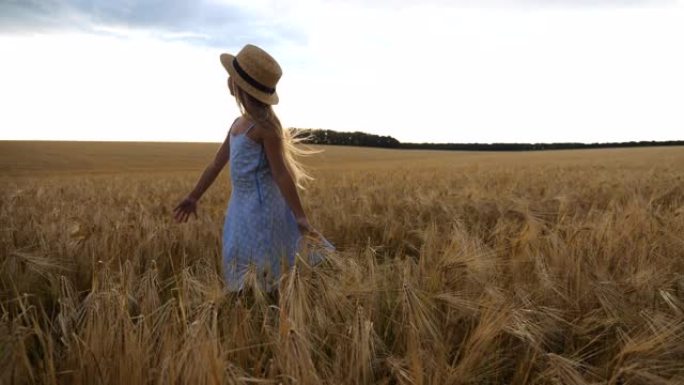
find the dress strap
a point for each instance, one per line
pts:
(250, 127)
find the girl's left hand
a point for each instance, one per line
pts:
(185, 208)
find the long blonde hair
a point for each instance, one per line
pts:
(264, 115)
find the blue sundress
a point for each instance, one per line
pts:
(260, 230)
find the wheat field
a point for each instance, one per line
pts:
(558, 267)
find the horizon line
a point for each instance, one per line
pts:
(427, 143)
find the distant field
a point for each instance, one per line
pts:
(55, 158)
(558, 267)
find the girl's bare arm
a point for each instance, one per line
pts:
(273, 145)
(212, 170)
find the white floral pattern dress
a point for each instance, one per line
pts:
(259, 226)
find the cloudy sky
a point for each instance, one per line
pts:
(421, 71)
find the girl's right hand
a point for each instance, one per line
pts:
(185, 208)
(305, 227)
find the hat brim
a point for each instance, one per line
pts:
(227, 62)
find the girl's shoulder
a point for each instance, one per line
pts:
(241, 124)
(265, 132)
(236, 122)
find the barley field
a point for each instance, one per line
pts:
(559, 267)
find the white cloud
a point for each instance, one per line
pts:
(499, 75)
(418, 72)
(78, 86)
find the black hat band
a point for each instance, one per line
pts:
(252, 82)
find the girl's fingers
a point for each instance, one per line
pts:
(180, 216)
(178, 208)
(183, 211)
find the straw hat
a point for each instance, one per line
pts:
(255, 71)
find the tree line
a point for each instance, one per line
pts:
(357, 138)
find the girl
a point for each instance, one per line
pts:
(265, 221)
